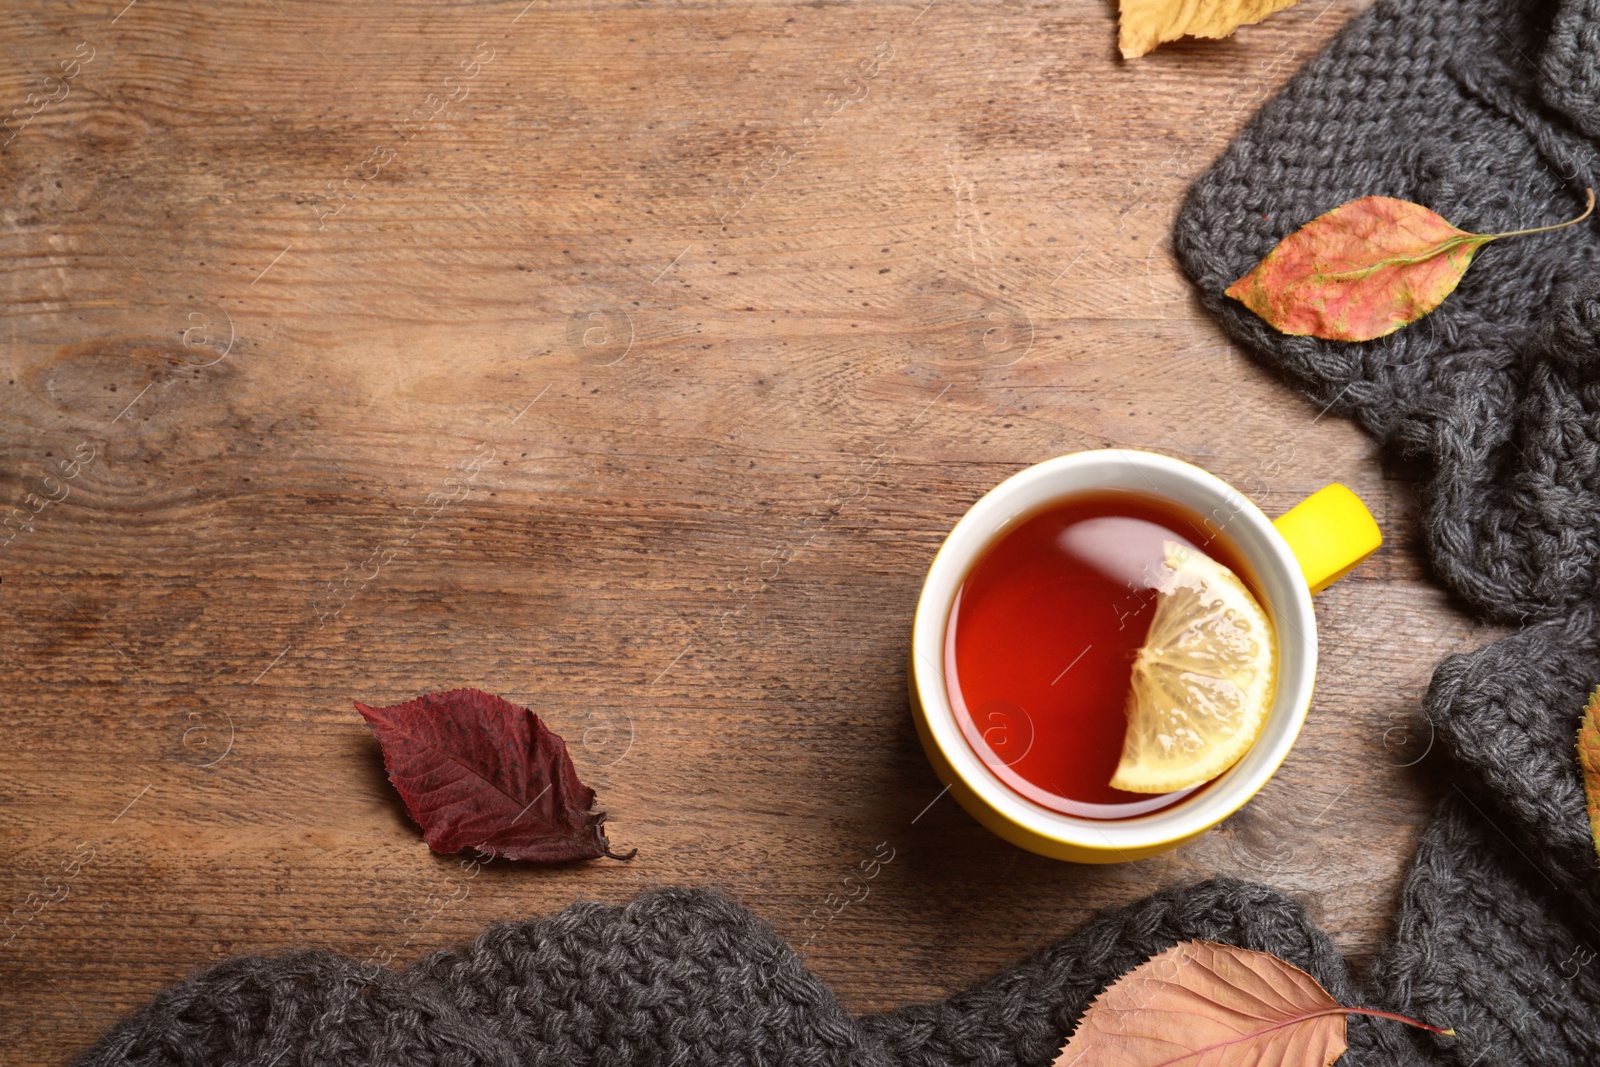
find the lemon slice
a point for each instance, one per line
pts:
(1203, 681)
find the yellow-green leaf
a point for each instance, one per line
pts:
(1589, 763)
(1144, 24)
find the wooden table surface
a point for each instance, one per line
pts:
(629, 360)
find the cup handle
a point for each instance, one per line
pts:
(1329, 532)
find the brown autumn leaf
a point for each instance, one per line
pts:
(1204, 1003)
(1589, 763)
(1144, 24)
(1364, 269)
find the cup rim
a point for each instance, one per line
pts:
(1288, 602)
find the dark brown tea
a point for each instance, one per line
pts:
(1041, 641)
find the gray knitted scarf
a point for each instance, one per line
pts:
(1487, 111)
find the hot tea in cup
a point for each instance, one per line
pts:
(1051, 657)
(1090, 629)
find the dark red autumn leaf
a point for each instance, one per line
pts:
(482, 773)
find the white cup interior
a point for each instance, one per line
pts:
(1276, 577)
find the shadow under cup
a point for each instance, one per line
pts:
(991, 794)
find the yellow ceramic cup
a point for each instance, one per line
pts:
(1309, 547)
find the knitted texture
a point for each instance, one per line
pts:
(1500, 917)
(1510, 712)
(1485, 943)
(684, 978)
(1477, 109)
(1570, 79)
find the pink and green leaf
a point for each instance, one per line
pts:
(1364, 269)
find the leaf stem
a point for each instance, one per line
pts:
(1449, 244)
(1451, 1032)
(1195, 1055)
(1546, 229)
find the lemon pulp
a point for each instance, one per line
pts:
(1203, 681)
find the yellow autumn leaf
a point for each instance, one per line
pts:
(1148, 23)
(1589, 763)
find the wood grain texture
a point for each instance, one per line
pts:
(638, 383)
